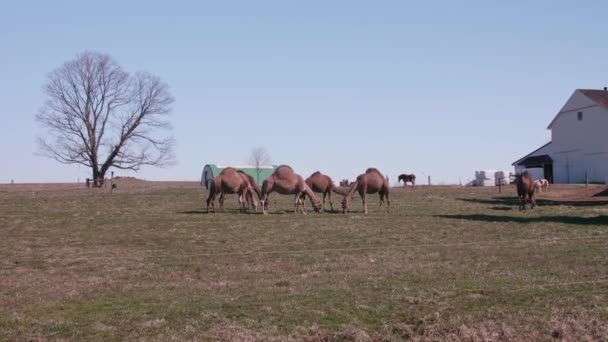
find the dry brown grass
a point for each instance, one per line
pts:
(455, 264)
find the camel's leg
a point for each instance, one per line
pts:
(388, 202)
(324, 203)
(331, 205)
(264, 205)
(303, 201)
(240, 200)
(298, 204)
(362, 193)
(211, 201)
(221, 199)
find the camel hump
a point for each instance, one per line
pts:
(228, 170)
(372, 169)
(316, 173)
(281, 167)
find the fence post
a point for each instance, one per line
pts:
(586, 179)
(429, 180)
(500, 184)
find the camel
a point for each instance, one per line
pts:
(249, 199)
(525, 187)
(230, 181)
(407, 178)
(286, 182)
(321, 183)
(370, 182)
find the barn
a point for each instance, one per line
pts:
(578, 150)
(259, 174)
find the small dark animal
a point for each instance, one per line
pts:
(407, 178)
(525, 188)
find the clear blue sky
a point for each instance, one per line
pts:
(431, 87)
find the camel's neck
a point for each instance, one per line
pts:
(340, 191)
(257, 190)
(352, 189)
(311, 194)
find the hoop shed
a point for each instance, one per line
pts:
(213, 170)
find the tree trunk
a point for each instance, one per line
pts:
(98, 178)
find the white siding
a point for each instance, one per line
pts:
(580, 147)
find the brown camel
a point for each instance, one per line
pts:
(230, 181)
(286, 182)
(321, 183)
(256, 189)
(370, 182)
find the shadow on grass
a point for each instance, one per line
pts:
(541, 202)
(596, 220)
(218, 212)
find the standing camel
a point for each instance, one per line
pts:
(230, 181)
(407, 178)
(370, 182)
(321, 183)
(286, 182)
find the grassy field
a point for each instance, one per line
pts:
(444, 264)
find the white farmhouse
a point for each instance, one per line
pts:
(579, 142)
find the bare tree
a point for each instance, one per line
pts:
(259, 157)
(100, 116)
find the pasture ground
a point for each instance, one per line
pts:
(146, 263)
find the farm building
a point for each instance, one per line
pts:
(579, 144)
(212, 170)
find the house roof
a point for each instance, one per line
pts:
(536, 161)
(599, 96)
(518, 162)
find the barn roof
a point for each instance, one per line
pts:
(599, 96)
(518, 162)
(536, 161)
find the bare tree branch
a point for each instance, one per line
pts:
(100, 116)
(259, 158)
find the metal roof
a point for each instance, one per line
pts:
(536, 161)
(265, 171)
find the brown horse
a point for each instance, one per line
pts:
(525, 188)
(407, 178)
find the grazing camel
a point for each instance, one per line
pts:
(370, 182)
(255, 187)
(286, 182)
(230, 181)
(525, 188)
(407, 178)
(321, 183)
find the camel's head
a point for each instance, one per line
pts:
(345, 204)
(316, 205)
